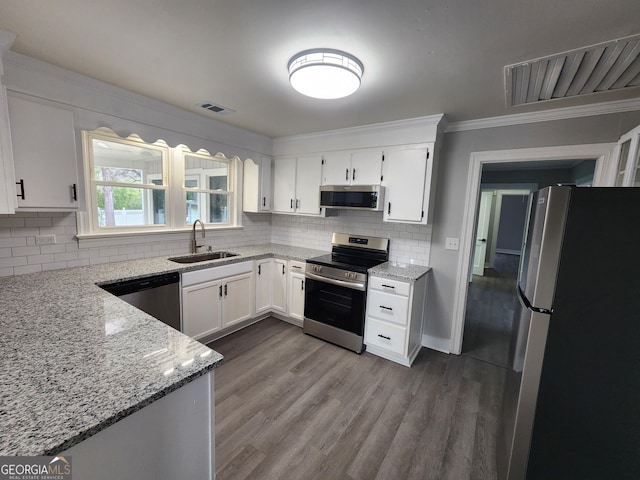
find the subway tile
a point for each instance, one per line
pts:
(78, 263)
(13, 242)
(12, 262)
(6, 272)
(32, 259)
(52, 248)
(54, 266)
(27, 269)
(11, 222)
(37, 222)
(24, 251)
(63, 257)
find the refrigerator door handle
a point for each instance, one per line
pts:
(527, 304)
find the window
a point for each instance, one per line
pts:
(135, 186)
(206, 185)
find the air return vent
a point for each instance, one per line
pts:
(216, 108)
(599, 68)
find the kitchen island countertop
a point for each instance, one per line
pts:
(77, 359)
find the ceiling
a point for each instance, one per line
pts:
(421, 57)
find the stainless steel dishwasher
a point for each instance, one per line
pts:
(158, 295)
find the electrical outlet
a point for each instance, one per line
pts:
(451, 243)
(46, 240)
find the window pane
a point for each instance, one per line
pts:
(210, 171)
(218, 208)
(125, 163)
(129, 206)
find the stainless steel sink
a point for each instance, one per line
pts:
(203, 257)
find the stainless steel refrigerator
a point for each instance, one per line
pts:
(571, 406)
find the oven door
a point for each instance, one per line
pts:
(335, 303)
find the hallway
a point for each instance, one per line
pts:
(490, 305)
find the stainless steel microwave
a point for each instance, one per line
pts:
(353, 197)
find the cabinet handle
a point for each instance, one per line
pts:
(220, 291)
(302, 285)
(297, 267)
(74, 192)
(264, 201)
(346, 174)
(225, 289)
(292, 203)
(387, 286)
(386, 308)
(297, 203)
(21, 194)
(259, 269)
(389, 209)
(353, 174)
(382, 336)
(283, 269)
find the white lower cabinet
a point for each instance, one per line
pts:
(271, 285)
(395, 308)
(296, 291)
(216, 298)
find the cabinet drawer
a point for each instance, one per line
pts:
(390, 286)
(389, 307)
(384, 335)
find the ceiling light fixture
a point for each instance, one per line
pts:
(325, 73)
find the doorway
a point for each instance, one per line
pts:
(508, 167)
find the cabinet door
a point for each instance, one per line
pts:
(264, 285)
(284, 185)
(279, 285)
(237, 303)
(336, 168)
(296, 296)
(44, 153)
(201, 309)
(404, 171)
(366, 166)
(265, 184)
(308, 176)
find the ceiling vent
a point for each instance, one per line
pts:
(216, 108)
(599, 68)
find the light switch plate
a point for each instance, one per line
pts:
(451, 243)
(46, 240)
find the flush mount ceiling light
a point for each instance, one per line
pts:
(324, 73)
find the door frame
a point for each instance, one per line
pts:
(603, 176)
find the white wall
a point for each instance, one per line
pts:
(452, 183)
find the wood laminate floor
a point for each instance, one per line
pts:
(491, 301)
(290, 406)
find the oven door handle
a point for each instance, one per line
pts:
(341, 283)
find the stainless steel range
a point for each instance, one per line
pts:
(336, 289)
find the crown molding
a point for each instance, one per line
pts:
(428, 122)
(603, 108)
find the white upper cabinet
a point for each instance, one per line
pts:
(256, 191)
(628, 172)
(407, 177)
(44, 153)
(356, 167)
(296, 185)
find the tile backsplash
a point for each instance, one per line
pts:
(409, 243)
(20, 253)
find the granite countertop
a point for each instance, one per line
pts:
(408, 272)
(77, 359)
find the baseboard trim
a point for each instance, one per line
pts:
(440, 344)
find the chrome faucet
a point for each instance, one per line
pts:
(194, 245)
